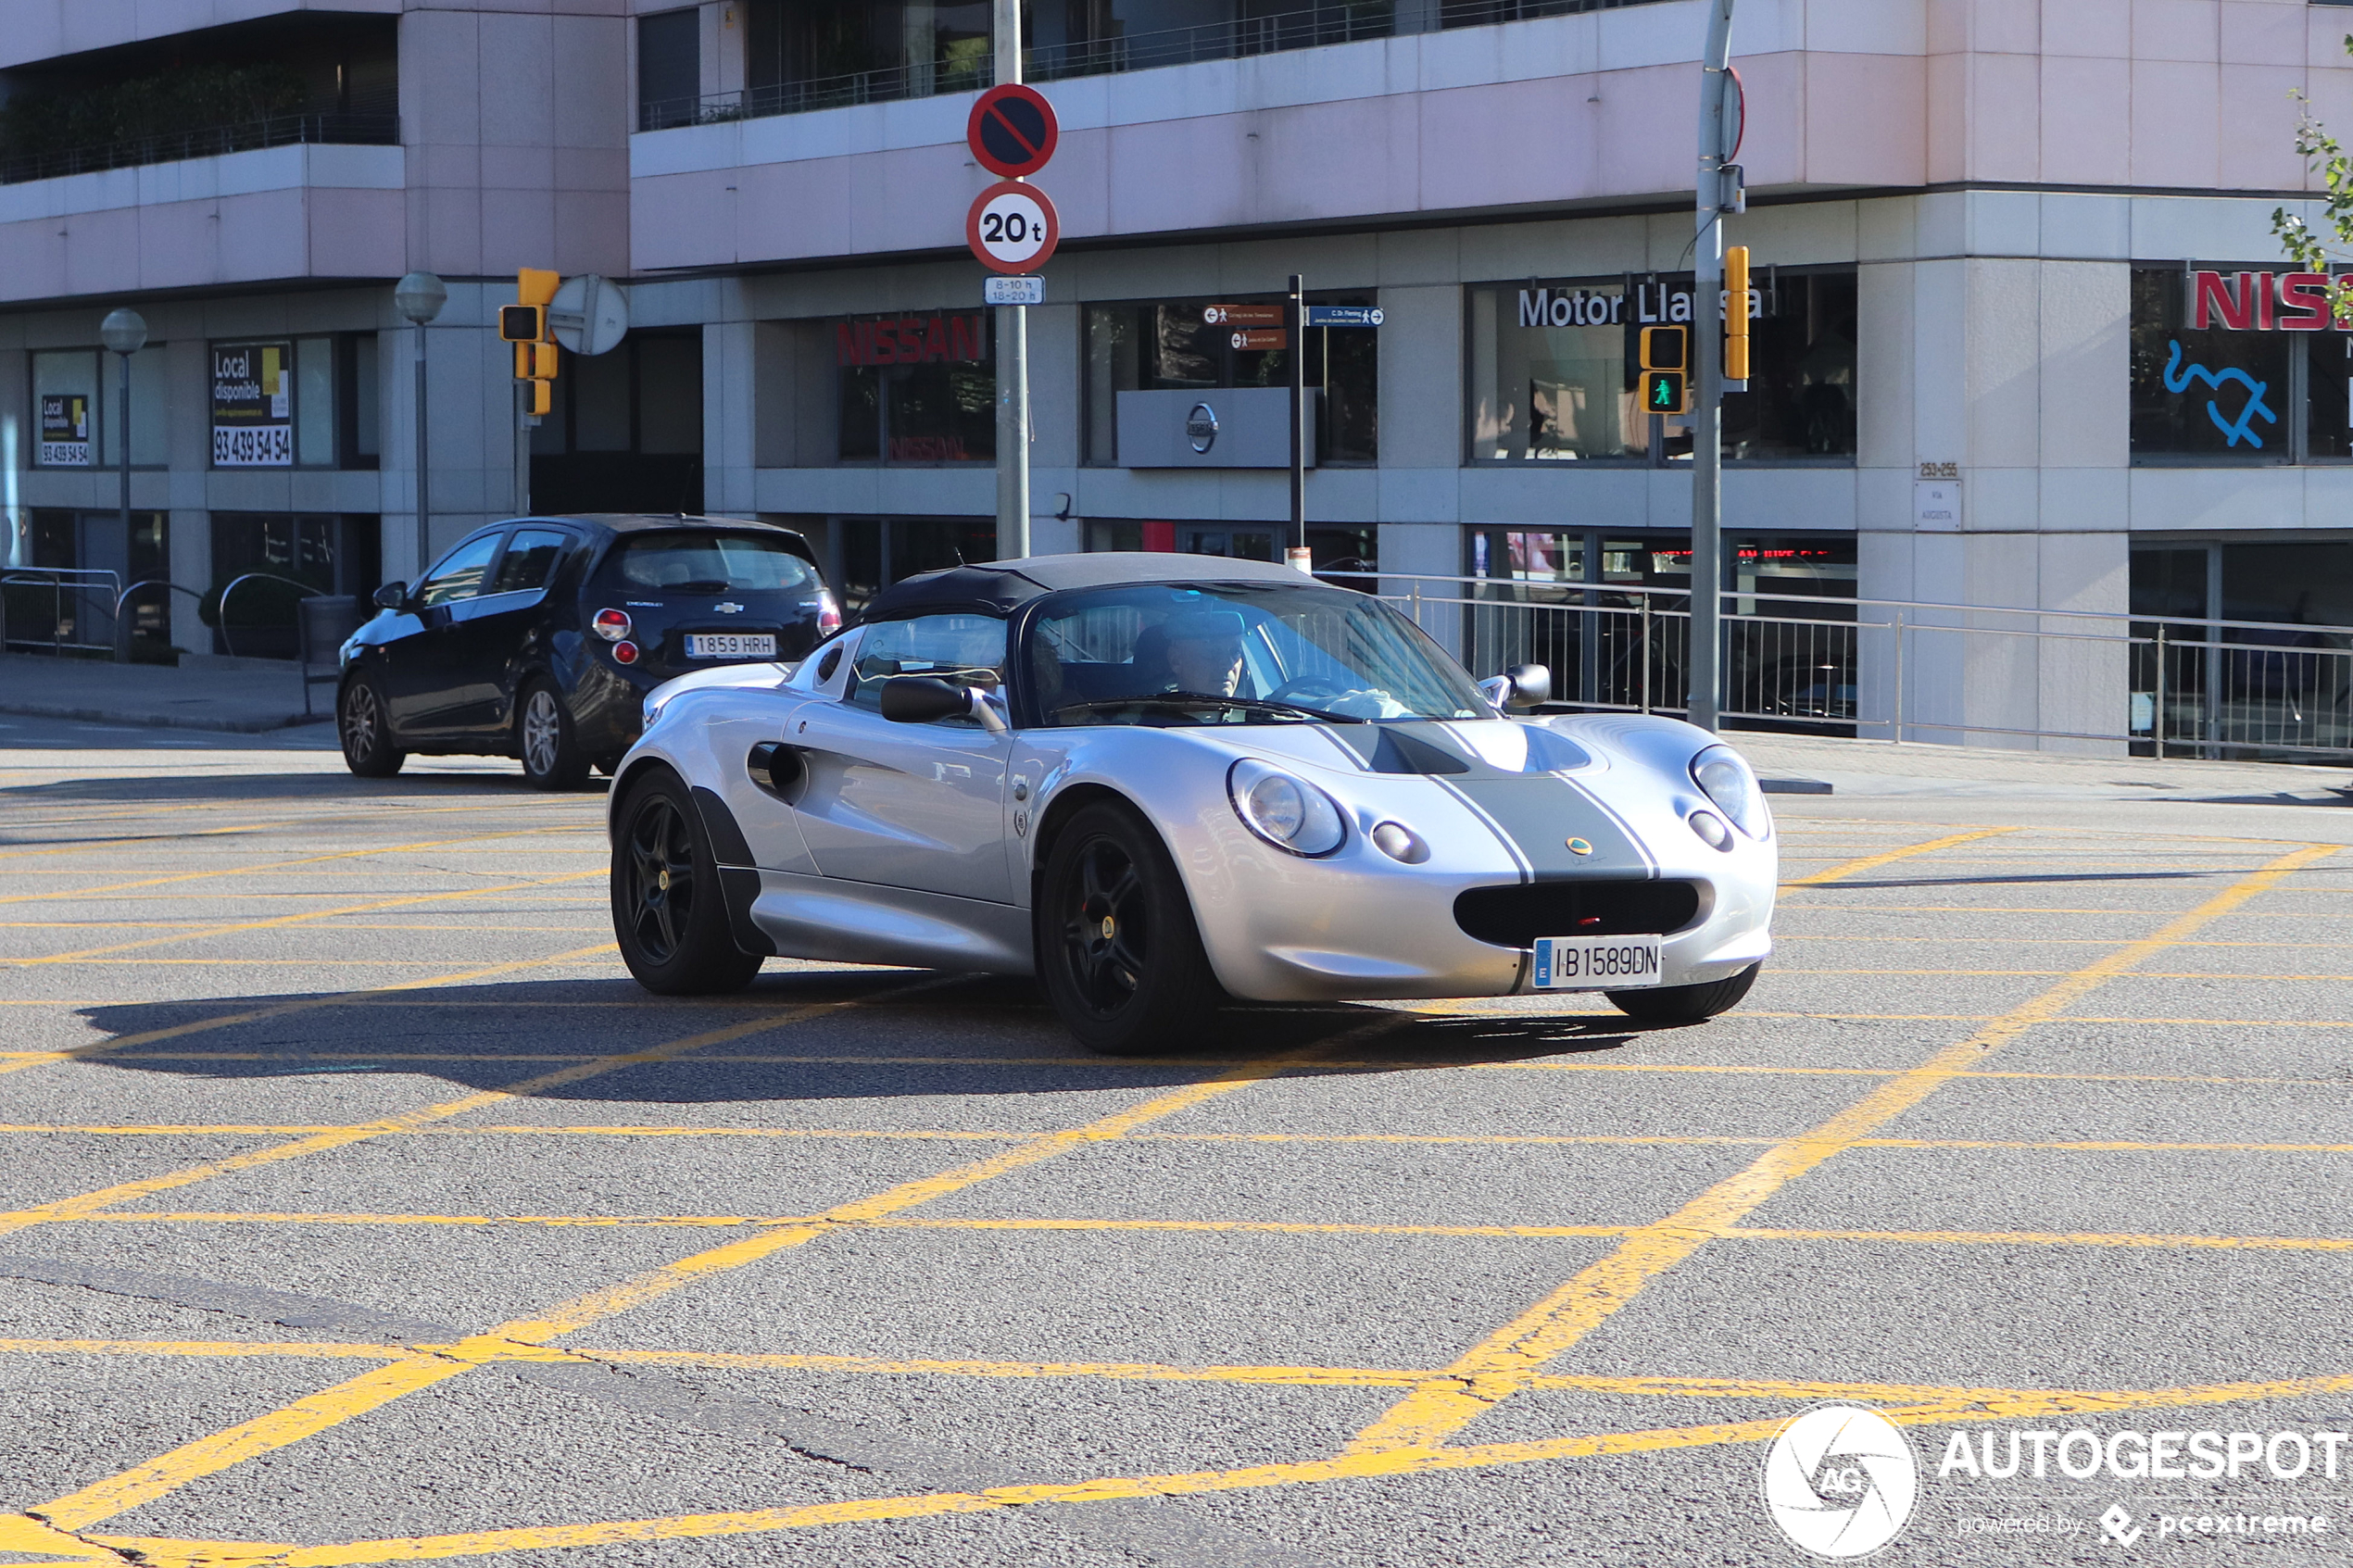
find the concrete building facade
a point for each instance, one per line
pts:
(1986, 373)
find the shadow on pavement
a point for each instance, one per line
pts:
(978, 1035)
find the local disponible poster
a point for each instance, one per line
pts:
(65, 429)
(253, 405)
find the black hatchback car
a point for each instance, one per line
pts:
(539, 637)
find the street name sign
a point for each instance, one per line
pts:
(1262, 338)
(1344, 315)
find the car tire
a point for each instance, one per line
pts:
(1684, 1004)
(544, 740)
(669, 914)
(364, 726)
(1119, 952)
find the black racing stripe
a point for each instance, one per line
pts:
(1541, 815)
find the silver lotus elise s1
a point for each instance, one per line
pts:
(1156, 781)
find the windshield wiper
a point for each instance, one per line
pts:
(1203, 699)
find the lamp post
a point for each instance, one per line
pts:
(124, 331)
(420, 297)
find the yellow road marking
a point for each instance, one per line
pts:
(2056, 1238)
(1887, 858)
(307, 1004)
(1492, 1369)
(88, 1204)
(280, 865)
(373, 1389)
(225, 1347)
(166, 1552)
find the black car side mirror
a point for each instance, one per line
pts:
(392, 595)
(927, 699)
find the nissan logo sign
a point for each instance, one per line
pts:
(1201, 427)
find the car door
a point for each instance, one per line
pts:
(424, 678)
(493, 632)
(917, 806)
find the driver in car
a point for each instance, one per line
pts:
(1204, 652)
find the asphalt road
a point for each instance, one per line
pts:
(356, 1208)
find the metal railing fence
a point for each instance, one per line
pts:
(1908, 669)
(278, 130)
(73, 598)
(1338, 21)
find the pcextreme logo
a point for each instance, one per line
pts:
(1839, 1481)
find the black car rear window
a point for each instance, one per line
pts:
(714, 563)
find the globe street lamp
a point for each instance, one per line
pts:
(420, 297)
(124, 331)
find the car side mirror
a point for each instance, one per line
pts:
(928, 699)
(1522, 685)
(392, 595)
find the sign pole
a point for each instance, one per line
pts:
(1013, 352)
(1705, 663)
(1299, 554)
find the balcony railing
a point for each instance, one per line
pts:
(278, 130)
(1343, 22)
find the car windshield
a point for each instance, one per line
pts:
(1249, 653)
(713, 563)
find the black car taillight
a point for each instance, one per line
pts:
(612, 625)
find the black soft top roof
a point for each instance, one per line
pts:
(1002, 588)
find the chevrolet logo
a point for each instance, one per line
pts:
(728, 608)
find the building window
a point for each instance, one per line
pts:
(284, 556)
(1553, 367)
(669, 68)
(623, 431)
(2253, 661)
(75, 393)
(1170, 345)
(871, 553)
(801, 57)
(81, 613)
(2211, 381)
(1574, 601)
(917, 389)
(289, 402)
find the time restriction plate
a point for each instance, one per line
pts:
(1012, 227)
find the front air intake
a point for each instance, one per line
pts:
(1515, 917)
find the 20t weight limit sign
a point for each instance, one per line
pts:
(1012, 227)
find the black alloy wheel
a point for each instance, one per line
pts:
(669, 914)
(551, 758)
(1684, 1004)
(365, 729)
(1117, 949)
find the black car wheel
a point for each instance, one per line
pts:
(1117, 948)
(1684, 1004)
(668, 913)
(365, 729)
(551, 758)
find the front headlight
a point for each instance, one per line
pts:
(1724, 777)
(1285, 811)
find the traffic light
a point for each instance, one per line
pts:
(1666, 358)
(1666, 392)
(1736, 314)
(524, 324)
